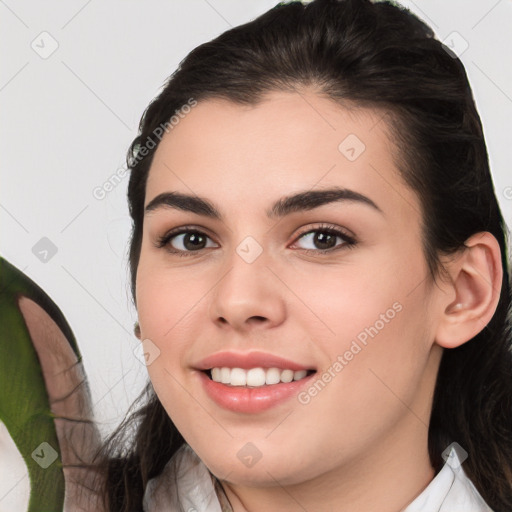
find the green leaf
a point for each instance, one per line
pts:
(24, 403)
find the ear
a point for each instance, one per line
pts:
(476, 277)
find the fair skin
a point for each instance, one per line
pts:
(361, 442)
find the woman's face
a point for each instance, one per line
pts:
(278, 273)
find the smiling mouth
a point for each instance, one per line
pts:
(255, 377)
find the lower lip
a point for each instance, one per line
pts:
(251, 400)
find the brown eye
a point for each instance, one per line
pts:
(192, 241)
(325, 239)
(185, 241)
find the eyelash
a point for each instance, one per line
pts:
(349, 241)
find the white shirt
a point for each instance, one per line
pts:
(186, 485)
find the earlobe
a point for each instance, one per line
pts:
(476, 281)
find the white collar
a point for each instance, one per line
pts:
(449, 491)
(186, 484)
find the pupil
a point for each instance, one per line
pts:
(193, 241)
(320, 239)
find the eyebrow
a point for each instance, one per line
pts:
(301, 201)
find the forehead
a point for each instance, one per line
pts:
(285, 143)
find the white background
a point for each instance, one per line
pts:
(68, 119)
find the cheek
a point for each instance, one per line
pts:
(167, 300)
(372, 325)
(360, 300)
(167, 305)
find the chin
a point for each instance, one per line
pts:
(254, 467)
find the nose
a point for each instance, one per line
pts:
(248, 295)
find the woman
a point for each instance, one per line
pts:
(318, 262)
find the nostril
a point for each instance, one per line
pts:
(257, 319)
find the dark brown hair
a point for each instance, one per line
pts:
(375, 55)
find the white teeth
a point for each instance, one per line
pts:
(225, 375)
(299, 375)
(273, 376)
(255, 377)
(287, 375)
(216, 374)
(238, 377)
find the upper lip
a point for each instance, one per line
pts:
(247, 360)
